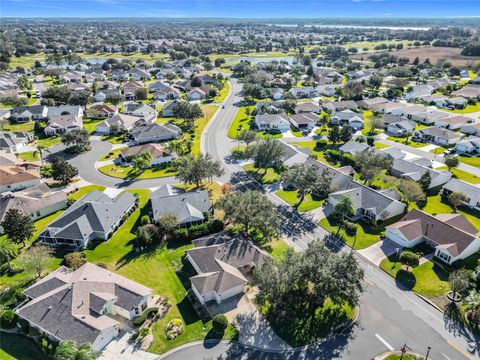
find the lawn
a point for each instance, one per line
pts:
(312, 145)
(400, 357)
(290, 196)
(85, 190)
(49, 141)
(209, 111)
(20, 127)
(114, 139)
(113, 156)
(277, 248)
(410, 142)
(242, 121)
(296, 133)
(268, 177)
(438, 150)
(380, 146)
(428, 279)
(222, 95)
(473, 161)
(367, 126)
(465, 176)
(128, 172)
(19, 347)
(467, 110)
(90, 124)
(29, 156)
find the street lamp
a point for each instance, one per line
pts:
(428, 352)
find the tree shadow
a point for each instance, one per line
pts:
(405, 280)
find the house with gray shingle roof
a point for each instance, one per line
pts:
(154, 132)
(223, 263)
(437, 135)
(95, 216)
(471, 192)
(80, 305)
(413, 171)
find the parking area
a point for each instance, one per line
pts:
(379, 251)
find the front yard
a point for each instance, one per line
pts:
(241, 121)
(409, 143)
(268, 177)
(128, 172)
(290, 196)
(319, 153)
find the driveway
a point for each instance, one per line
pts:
(379, 251)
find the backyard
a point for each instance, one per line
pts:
(19, 347)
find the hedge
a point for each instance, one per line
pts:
(196, 231)
(139, 320)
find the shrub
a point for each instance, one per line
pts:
(370, 140)
(195, 231)
(409, 258)
(347, 159)
(143, 332)
(219, 323)
(145, 220)
(75, 259)
(8, 319)
(321, 143)
(139, 320)
(238, 153)
(350, 228)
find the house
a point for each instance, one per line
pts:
(369, 104)
(277, 94)
(166, 93)
(273, 107)
(413, 171)
(400, 128)
(189, 208)
(393, 108)
(154, 133)
(168, 109)
(438, 100)
(453, 122)
(71, 76)
(95, 216)
(158, 153)
(272, 122)
(352, 147)
(101, 111)
(470, 145)
(419, 91)
(167, 89)
(5, 113)
(101, 95)
(457, 102)
(223, 262)
(308, 107)
(348, 117)
(13, 142)
(130, 87)
(139, 74)
(119, 122)
(471, 192)
(392, 153)
(7, 158)
(437, 135)
(196, 94)
(37, 202)
(470, 91)
(326, 90)
(428, 117)
(62, 124)
(21, 114)
(303, 121)
(451, 235)
(119, 75)
(344, 105)
(15, 178)
(303, 92)
(65, 110)
(471, 129)
(80, 305)
(145, 111)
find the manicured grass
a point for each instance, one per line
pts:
(277, 248)
(367, 124)
(114, 155)
(49, 141)
(90, 124)
(410, 142)
(114, 139)
(465, 176)
(85, 190)
(367, 235)
(438, 150)
(370, 45)
(26, 61)
(128, 172)
(400, 357)
(29, 156)
(428, 279)
(268, 177)
(473, 161)
(296, 133)
(467, 110)
(319, 153)
(380, 146)
(222, 95)
(20, 127)
(290, 196)
(213, 188)
(19, 347)
(209, 111)
(242, 121)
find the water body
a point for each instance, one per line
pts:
(259, 59)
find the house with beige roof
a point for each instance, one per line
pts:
(14, 178)
(451, 235)
(80, 305)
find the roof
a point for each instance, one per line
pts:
(185, 206)
(68, 304)
(65, 121)
(353, 147)
(304, 118)
(155, 129)
(94, 212)
(8, 139)
(15, 174)
(34, 109)
(470, 190)
(451, 231)
(307, 107)
(122, 120)
(271, 118)
(223, 259)
(440, 132)
(64, 109)
(347, 115)
(156, 150)
(415, 171)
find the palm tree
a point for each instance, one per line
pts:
(8, 251)
(40, 150)
(344, 207)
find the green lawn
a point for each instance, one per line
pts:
(114, 139)
(242, 121)
(19, 347)
(128, 172)
(399, 357)
(90, 124)
(114, 155)
(268, 177)
(290, 196)
(49, 141)
(222, 95)
(367, 126)
(20, 127)
(277, 248)
(467, 110)
(380, 146)
(312, 145)
(428, 279)
(296, 133)
(29, 156)
(465, 176)
(410, 142)
(209, 111)
(438, 150)
(473, 161)
(85, 190)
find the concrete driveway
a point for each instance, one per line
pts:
(379, 251)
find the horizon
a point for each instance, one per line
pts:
(246, 9)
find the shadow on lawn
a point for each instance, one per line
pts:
(405, 280)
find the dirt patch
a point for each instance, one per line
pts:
(433, 53)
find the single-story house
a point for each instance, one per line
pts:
(14, 178)
(223, 262)
(37, 202)
(101, 111)
(453, 122)
(62, 124)
(308, 107)
(196, 94)
(159, 156)
(101, 95)
(303, 120)
(139, 74)
(369, 104)
(451, 235)
(437, 135)
(344, 105)
(65, 110)
(121, 121)
(471, 129)
(154, 133)
(80, 305)
(457, 102)
(277, 94)
(410, 170)
(471, 192)
(352, 147)
(148, 112)
(167, 110)
(428, 117)
(470, 145)
(419, 91)
(119, 75)
(400, 128)
(189, 208)
(470, 91)
(272, 122)
(21, 114)
(303, 92)
(438, 100)
(13, 142)
(348, 117)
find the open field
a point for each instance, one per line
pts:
(434, 54)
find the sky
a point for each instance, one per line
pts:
(240, 8)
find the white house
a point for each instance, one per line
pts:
(272, 122)
(471, 192)
(348, 117)
(470, 145)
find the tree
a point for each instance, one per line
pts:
(375, 123)
(193, 170)
(23, 83)
(167, 223)
(66, 350)
(343, 208)
(409, 259)
(19, 227)
(85, 352)
(75, 259)
(303, 178)
(219, 323)
(81, 98)
(113, 99)
(459, 282)
(253, 211)
(266, 153)
(456, 199)
(472, 303)
(77, 140)
(142, 160)
(141, 94)
(35, 259)
(297, 287)
(334, 135)
(411, 190)
(247, 136)
(375, 81)
(187, 111)
(370, 164)
(59, 94)
(425, 181)
(8, 251)
(219, 62)
(451, 161)
(144, 235)
(8, 319)
(62, 170)
(346, 134)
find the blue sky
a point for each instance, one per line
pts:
(240, 8)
